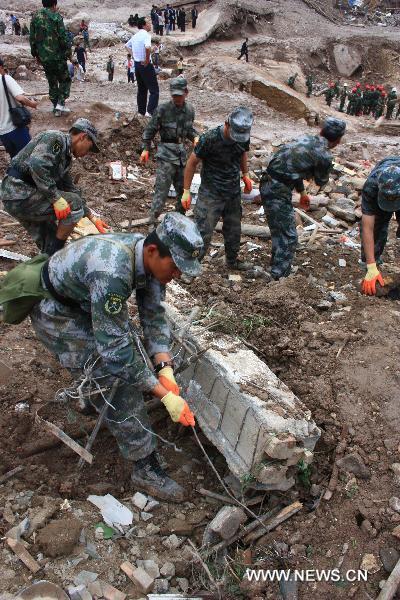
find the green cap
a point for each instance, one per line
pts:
(389, 189)
(183, 239)
(87, 127)
(178, 86)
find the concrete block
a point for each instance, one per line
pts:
(227, 521)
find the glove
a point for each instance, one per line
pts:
(178, 409)
(248, 184)
(144, 157)
(195, 141)
(101, 225)
(167, 379)
(186, 199)
(61, 208)
(305, 201)
(369, 284)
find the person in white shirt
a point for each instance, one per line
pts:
(13, 138)
(140, 47)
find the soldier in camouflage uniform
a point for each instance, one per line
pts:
(330, 94)
(292, 80)
(391, 103)
(87, 327)
(381, 103)
(306, 158)
(50, 46)
(223, 153)
(173, 120)
(380, 199)
(343, 96)
(336, 88)
(38, 189)
(309, 85)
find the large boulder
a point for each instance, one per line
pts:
(347, 58)
(74, 24)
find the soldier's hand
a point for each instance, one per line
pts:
(186, 199)
(61, 208)
(195, 141)
(178, 409)
(167, 379)
(305, 201)
(144, 157)
(371, 278)
(100, 225)
(248, 183)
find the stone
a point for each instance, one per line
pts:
(353, 463)
(161, 586)
(139, 577)
(178, 526)
(367, 528)
(150, 566)
(396, 532)
(348, 59)
(395, 467)
(151, 505)
(370, 563)
(145, 516)
(79, 593)
(59, 537)
(344, 209)
(183, 584)
(168, 570)
(225, 524)
(389, 557)
(85, 577)
(172, 542)
(394, 504)
(139, 500)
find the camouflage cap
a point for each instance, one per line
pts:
(183, 239)
(389, 188)
(87, 127)
(178, 86)
(333, 128)
(240, 121)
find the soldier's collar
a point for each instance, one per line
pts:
(140, 275)
(68, 144)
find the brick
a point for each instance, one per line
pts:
(140, 578)
(219, 395)
(205, 376)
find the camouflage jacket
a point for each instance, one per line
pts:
(369, 202)
(391, 99)
(220, 173)
(48, 37)
(305, 158)
(101, 272)
(175, 125)
(47, 161)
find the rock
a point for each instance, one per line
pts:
(161, 586)
(396, 470)
(353, 463)
(151, 505)
(389, 558)
(75, 23)
(225, 523)
(348, 59)
(315, 490)
(367, 528)
(150, 566)
(178, 526)
(139, 500)
(394, 504)
(324, 305)
(85, 577)
(396, 532)
(358, 182)
(79, 593)
(344, 209)
(145, 516)
(183, 584)
(338, 297)
(139, 577)
(172, 542)
(60, 537)
(168, 570)
(370, 563)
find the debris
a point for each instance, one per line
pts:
(139, 577)
(183, 584)
(396, 532)
(106, 590)
(11, 474)
(389, 558)
(369, 563)
(338, 297)
(392, 583)
(219, 497)
(151, 504)
(177, 526)
(19, 530)
(59, 537)
(66, 439)
(79, 592)
(140, 500)
(117, 170)
(150, 566)
(234, 277)
(285, 514)
(172, 542)
(23, 555)
(43, 590)
(259, 231)
(14, 256)
(225, 524)
(85, 577)
(353, 463)
(342, 262)
(113, 512)
(394, 504)
(330, 221)
(168, 570)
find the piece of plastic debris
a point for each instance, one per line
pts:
(113, 512)
(107, 532)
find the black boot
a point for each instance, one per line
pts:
(148, 476)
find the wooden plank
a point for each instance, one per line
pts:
(87, 456)
(282, 516)
(23, 555)
(10, 474)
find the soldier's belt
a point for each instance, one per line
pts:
(175, 141)
(13, 172)
(53, 292)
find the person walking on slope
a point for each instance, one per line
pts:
(244, 51)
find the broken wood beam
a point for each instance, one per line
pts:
(23, 555)
(285, 514)
(219, 497)
(391, 584)
(259, 231)
(61, 435)
(11, 474)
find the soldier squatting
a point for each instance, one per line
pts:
(81, 290)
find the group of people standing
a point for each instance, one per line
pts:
(168, 19)
(372, 100)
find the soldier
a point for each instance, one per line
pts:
(291, 80)
(380, 107)
(330, 94)
(38, 189)
(336, 88)
(86, 326)
(374, 100)
(380, 199)
(305, 158)
(343, 96)
(173, 120)
(352, 102)
(50, 47)
(391, 103)
(223, 153)
(309, 84)
(358, 103)
(2, 28)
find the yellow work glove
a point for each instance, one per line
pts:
(369, 283)
(186, 199)
(178, 409)
(167, 379)
(61, 208)
(144, 157)
(248, 183)
(195, 141)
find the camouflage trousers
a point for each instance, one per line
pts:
(68, 335)
(342, 103)
(381, 232)
(59, 81)
(36, 214)
(277, 201)
(167, 173)
(207, 212)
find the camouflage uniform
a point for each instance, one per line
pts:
(2, 28)
(219, 193)
(49, 43)
(343, 97)
(391, 103)
(336, 89)
(309, 84)
(306, 158)
(37, 177)
(100, 273)
(329, 95)
(380, 106)
(175, 125)
(291, 80)
(369, 204)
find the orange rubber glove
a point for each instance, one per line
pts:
(61, 208)
(101, 225)
(167, 379)
(305, 201)
(369, 283)
(248, 183)
(178, 409)
(144, 157)
(186, 199)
